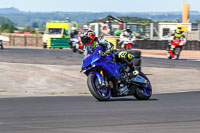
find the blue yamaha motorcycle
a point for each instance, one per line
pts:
(107, 79)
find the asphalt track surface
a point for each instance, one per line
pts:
(67, 57)
(165, 113)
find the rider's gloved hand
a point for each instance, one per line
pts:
(101, 53)
(107, 52)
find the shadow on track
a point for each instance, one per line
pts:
(129, 99)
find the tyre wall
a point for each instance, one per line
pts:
(162, 45)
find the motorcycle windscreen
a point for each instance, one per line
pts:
(89, 59)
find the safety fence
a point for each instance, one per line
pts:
(162, 45)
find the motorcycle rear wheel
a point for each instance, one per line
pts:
(101, 94)
(143, 93)
(177, 52)
(128, 47)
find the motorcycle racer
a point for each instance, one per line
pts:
(178, 34)
(90, 42)
(73, 36)
(74, 33)
(123, 59)
(127, 35)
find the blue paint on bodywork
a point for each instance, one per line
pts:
(105, 62)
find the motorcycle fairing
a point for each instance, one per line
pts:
(139, 79)
(105, 62)
(88, 61)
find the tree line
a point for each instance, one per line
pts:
(8, 26)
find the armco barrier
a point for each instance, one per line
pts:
(162, 45)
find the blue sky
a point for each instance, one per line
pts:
(100, 5)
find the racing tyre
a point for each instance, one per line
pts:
(44, 45)
(136, 53)
(143, 92)
(1, 46)
(100, 93)
(80, 52)
(138, 68)
(169, 56)
(137, 62)
(74, 49)
(128, 47)
(177, 52)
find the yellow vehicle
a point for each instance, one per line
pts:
(57, 34)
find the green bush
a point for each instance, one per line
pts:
(7, 28)
(28, 29)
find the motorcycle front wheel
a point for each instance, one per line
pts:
(128, 47)
(177, 52)
(74, 49)
(143, 92)
(81, 51)
(99, 92)
(169, 55)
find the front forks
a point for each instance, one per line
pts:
(101, 78)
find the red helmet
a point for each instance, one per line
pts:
(87, 37)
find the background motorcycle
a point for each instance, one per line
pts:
(127, 44)
(81, 48)
(76, 46)
(1, 44)
(107, 79)
(176, 45)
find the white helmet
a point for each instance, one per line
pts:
(85, 27)
(73, 28)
